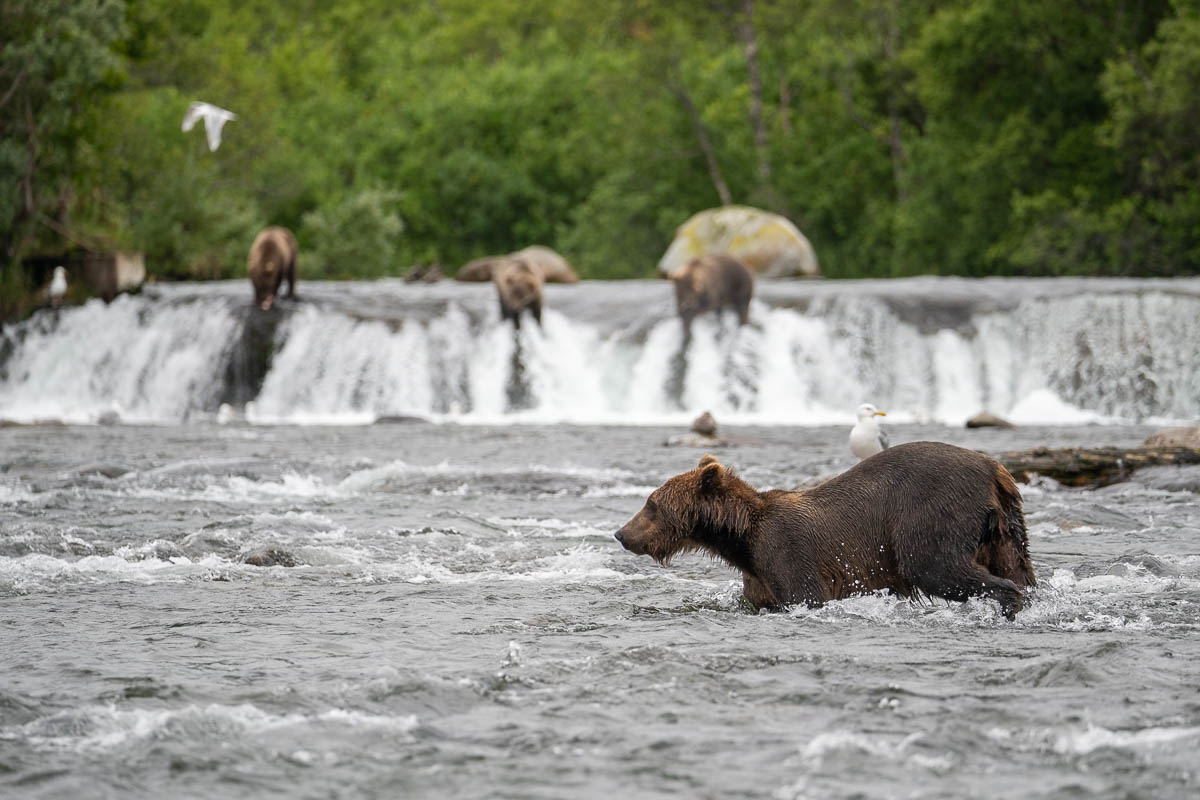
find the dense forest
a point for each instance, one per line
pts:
(968, 137)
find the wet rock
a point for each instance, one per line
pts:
(109, 417)
(399, 419)
(705, 425)
(988, 420)
(424, 273)
(270, 557)
(103, 470)
(1176, 437)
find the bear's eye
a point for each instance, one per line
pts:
(651, 509)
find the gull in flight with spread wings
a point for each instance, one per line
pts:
(214, 119)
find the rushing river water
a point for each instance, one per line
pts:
(459, 622)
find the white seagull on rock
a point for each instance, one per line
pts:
(58, 287)
(214, 119)
(867, 438)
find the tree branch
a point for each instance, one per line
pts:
(749, 39)
(710, 154)
(12, 89)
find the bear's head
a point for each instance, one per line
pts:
(692, 511)
(518, 282)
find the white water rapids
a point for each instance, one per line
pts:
(927, 349)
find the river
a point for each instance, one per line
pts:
(457, 620)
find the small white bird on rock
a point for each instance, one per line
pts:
(867, 438)
(214, 119)
(58, 287)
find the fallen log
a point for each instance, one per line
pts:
(1091, 466)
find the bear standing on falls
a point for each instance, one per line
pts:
(272, 259)
(924, 518)
(711, 283)
(519, 288)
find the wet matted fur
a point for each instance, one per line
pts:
(924, 518)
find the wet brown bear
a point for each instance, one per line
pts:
(272, 258)
(710, 283)
(923, 518)
(519, 287)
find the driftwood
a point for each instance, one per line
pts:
(1091, 466)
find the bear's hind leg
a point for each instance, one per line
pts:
(757, 593)
(959, 583)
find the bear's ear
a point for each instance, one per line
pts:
(711, 475)
(706, 459)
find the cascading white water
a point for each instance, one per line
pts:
(1131, 353)
(142, 361)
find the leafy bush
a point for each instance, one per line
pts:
(356, 237)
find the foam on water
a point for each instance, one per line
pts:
(13, 494)
(110, 727)
(38, 571)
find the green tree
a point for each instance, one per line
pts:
(56, 60)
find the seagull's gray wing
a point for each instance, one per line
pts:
(883, 440)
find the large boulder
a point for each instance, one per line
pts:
(767, 243)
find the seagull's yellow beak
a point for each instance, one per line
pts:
(881, 413)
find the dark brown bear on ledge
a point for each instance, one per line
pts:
(924, 518)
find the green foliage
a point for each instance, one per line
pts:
(963, 137)
(354, 238)
(55, 61)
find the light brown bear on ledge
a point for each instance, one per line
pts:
(924, 518)
(272, 261)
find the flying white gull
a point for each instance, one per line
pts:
(866, 438)
(214, 118)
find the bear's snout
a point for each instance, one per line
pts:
(629, 542)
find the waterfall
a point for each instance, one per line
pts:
(1063, 350)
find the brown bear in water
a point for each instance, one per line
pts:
(709, 283)
(923, 518)
(272, 258)
(519, 287)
